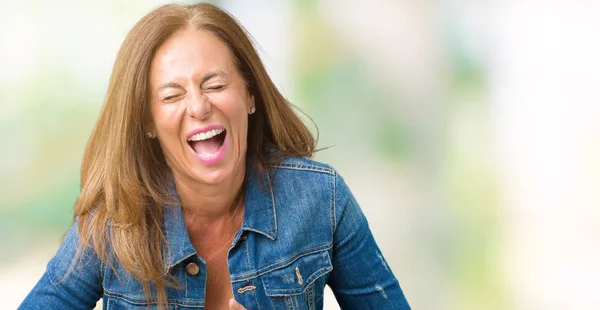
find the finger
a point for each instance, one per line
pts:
(234, 305)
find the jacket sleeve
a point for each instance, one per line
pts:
(361, 278)
(68, 284)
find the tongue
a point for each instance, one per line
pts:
(206, 147)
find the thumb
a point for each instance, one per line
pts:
(234, 305)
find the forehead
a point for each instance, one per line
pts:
(189, 53)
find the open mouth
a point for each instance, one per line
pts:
(208, 144)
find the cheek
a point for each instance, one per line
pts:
(167, 124)
(166, 118)
(240, 125)
(234, 107)
(239, 120)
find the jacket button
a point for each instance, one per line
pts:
(192, 269)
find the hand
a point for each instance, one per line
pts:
(234, 305)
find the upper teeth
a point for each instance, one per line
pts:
(206, 135)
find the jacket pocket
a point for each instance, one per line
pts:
(122, 291)
(300, 284)
(117, 303)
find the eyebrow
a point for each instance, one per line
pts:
(206, 77)
(211, 75)
(169, 85)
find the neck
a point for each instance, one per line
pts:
(211, 201)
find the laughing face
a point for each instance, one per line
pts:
(200, 106)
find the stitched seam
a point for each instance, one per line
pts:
(259, 232)
(125, 298)
(305, 168)
(280, 264)
(53, 281)
(310, 295)
(185, 278)
(334, 198)
(307, 286)
(103, 273)
(122, 297)
(304, 165)
(273, 203)
(179, 261)
(328, 267)
(288, 304)
(288, 261)
(255, 297)
(247, 254)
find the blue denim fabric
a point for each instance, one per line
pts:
(303, 231)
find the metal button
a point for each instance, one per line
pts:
(192, 269)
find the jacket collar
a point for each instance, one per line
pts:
(259, 217)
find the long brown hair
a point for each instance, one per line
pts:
(123, 188)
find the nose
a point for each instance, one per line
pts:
(198, 105)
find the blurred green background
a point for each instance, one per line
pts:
(468, 131)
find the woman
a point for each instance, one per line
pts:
(197, 189)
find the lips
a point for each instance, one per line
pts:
(208, 143)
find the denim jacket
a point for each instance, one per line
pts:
(302, 231)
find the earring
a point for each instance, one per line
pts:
(150, 134)
(252, 110)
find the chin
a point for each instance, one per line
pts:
(225, 170)
(215, 176)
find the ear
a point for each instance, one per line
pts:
(251, 103)
(150, 129)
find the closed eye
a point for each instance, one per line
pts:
(217, 87)
(170, 97)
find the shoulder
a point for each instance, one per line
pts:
(73, 260)
(312, 176)
(306, 188)
(301, 179)
(302, 166)
(302, 185)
